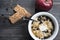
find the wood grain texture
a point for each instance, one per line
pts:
(19, 31)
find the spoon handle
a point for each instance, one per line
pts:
(28, 19)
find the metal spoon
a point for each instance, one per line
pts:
(29, 19)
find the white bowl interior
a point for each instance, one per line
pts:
(54, 21)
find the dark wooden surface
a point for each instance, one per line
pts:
(19, 31)
(56, 12)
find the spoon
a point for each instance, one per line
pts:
(24, 18)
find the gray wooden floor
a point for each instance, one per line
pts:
(19, 31)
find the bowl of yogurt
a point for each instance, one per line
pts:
(45, 27)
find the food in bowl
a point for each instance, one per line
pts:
(42, 28)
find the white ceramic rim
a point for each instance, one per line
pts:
(49, 15)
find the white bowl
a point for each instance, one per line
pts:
(54, 21)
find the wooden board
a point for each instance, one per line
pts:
(19, 31)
